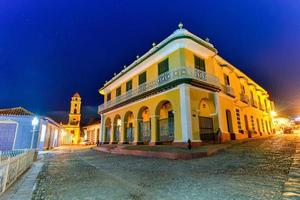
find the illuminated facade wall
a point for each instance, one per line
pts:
(20, 135)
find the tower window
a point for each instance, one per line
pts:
(75, 111)
(75, 105)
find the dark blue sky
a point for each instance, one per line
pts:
(50, 49)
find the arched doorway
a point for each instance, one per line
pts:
(229, 124)
(144, 125)
(206, 126)
(128, 125)
(107, 130)
(117, 128)
(165, 121)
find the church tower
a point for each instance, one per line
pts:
(74, 115)
(72, 129)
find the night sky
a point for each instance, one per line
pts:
(50, 49)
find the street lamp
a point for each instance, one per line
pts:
(273, 113)
(34, 123)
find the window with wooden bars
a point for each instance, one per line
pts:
(142, 78)
(163, 66)
(226, 79)
(199, 63)
(238, 119)
(129, 85)
(118, 91)
(108, 97)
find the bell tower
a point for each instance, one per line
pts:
(74, 115)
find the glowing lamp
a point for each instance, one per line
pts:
(297, 119)
(273, 113)
(35, 121)
(101, 92)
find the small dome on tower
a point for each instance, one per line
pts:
(76, 95)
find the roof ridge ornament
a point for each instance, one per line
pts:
(180, 25)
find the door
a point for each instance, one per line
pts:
(171, 125)
(107, 134)
(129, 133)
(206, 128)
(145, 131)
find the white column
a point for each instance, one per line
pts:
(186, 115)
(102, 129)
(218, 109)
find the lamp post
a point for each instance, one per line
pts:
(34, 123)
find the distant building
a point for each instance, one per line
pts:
(17, 130)
(51, 134)
(182, 89)
(72, 135)
(91, 131)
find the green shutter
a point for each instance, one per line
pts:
(118, 91)
(163, 66)
(129, 85)
(199, 63)
(108, 98)
(142, 78)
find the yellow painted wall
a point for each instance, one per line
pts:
(152, 103)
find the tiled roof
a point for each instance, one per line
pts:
(15, 111)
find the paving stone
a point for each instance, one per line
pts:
(253, 170)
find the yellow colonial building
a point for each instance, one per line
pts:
(182, 89)
(72, 135)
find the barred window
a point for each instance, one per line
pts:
(129, 85)
(252, 123)
(163, 66)
(238, 119)
(118, 91)
(108, 97)
(199, 63)
(263, 125)
(142, 78)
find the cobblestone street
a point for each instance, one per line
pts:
(254, 170)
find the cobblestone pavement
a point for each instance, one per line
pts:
(254, 170)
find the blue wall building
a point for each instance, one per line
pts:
(16, 129)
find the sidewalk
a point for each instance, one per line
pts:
(170, 151)
(22, 189)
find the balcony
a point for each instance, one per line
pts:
(254, 103)
(244, 98)
(174, 75)
(228, 90)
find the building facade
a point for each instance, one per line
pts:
(182, 89)
(72, 135)
(17, 130)
(91, 132)
(51, 134)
